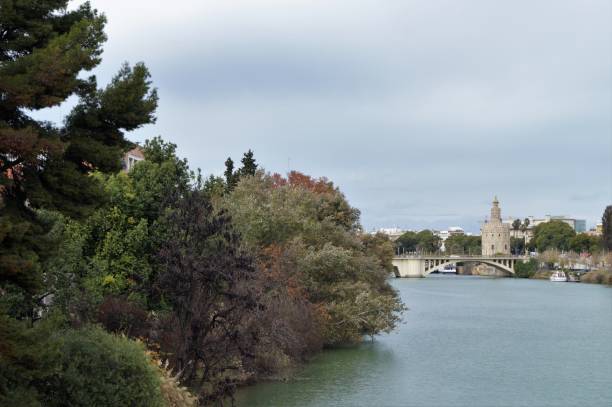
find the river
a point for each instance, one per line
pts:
(468, 341)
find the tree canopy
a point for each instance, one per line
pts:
(44, 49)
(463, 244)
(424, 241)
(583, 243)
(104, 272)
(555, 234)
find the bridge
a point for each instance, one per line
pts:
(420, 265)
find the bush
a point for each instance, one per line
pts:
(173, 393)
(102, 369)
(597, 277)
(119, 315)
(526, 269)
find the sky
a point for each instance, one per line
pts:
(419, 110)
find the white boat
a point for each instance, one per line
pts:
(450, 268)
(558, 276)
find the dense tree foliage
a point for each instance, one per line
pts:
(44, 48)
(332, 266)
(553, 235)
(583, 243)
(517, 245)
(225, 280)
(463, 244)
(423, 241)
(526, 269)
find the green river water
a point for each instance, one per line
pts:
(468, 341)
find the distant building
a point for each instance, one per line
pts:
(455, 230)
(392, 233)
(525, 233)
(579, 225)
(445, 234)
(495, 233)
(596, 231)
(131, 157)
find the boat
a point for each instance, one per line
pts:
(558, 276)
(573, 278)
(449, 268)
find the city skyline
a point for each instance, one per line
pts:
(415, 114)
(505, 218)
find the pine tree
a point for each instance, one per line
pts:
(249, 166)
(43, 50)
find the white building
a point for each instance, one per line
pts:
(131, 157)
(579, 225)
(392, 233)
(445, 234)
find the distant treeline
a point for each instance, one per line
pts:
(553, 235)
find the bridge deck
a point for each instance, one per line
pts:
(456, 257)
(419, 265)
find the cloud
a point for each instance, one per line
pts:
(420, 110)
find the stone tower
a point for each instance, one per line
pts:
(495, 234)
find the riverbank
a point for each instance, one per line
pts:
(591, 277)
(543, 274)
(597, 277)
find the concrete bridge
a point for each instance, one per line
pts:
(420, 265)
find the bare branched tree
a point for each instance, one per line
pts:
(205, 280)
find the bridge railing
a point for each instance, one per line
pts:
(419, 255)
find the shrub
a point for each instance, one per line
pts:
(119, 315)
(597, 277)
(526, 269)
(102, 369)
(173, 393)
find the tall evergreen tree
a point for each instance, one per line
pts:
(249, 166)
(230, 176)
(606, 221)
(43, 50)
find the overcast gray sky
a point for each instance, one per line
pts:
(420, 110)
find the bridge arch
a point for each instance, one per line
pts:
(420, 265)
(505, 266)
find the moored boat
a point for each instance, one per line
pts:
(558, 276)
(449, 268)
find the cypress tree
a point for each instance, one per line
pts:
(606, 221)
(230, 177)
